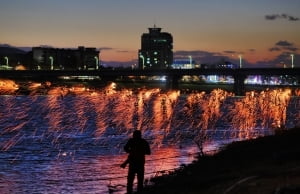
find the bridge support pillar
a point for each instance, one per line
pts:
(298, 79)
(239, 84)
(109, 78)
(172, 82)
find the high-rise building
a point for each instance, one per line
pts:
(156, 50)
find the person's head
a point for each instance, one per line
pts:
(137, 134)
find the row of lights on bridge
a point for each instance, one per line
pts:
(143, 59)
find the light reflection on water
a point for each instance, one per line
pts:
(71, 140)
(35, 171)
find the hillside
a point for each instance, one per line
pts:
(264, 165)
(7, 50)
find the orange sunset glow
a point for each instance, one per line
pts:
(264, 32)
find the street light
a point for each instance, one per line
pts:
(240, 57)
(292, 55)
(190, 57)
(6, 58)
(51, 62)
(97, 61)
(143, 58)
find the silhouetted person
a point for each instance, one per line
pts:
(137, 147)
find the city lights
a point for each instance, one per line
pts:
(292, 56)
(97, 62)
(240, 57)
(190, 57)
(51, 62)
(6, 58)
(143, 60)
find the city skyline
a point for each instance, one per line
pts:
(262, 32)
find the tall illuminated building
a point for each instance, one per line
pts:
(156, 50)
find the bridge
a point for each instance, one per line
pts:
(173, 75)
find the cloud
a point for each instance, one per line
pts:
(291, 18)
(46, 46)
(283, 43)
(198, 53)
(230, 52)
(274, 49)
(294, 49)
(105, 48)
(123, 51)
(206, 57)
(25, 48)
(271, 17)
(281, 16)
(5, 45)
(282, 59)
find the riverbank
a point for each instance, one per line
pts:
(264, 165)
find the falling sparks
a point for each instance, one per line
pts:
(63, 123)
(164, 115)
(8, 87)
(263, 110)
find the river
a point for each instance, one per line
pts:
(70, 140)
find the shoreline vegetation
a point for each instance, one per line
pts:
(266, 165)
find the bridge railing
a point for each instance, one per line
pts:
(174, 75)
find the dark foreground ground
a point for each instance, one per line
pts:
(267, 165)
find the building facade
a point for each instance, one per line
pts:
(82, 58)
(156, 50)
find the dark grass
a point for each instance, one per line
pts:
(265, 165)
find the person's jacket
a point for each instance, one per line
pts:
(137, 149)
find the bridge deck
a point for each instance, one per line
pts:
(150, 72)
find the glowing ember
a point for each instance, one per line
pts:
(8, 87)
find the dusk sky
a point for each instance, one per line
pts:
(264, 32)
